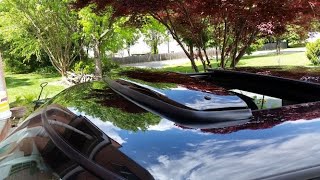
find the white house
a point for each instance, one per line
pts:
(140, 47)
(313, 36)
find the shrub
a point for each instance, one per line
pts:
(88, 67)
(298, 45)
(313, 52)
(108, 65)
(84, 66)
(19, 65)
(255, 46)
(47, 70)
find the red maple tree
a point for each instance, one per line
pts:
(233, 25)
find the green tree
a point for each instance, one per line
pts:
(154, 34)
(97, 30)
(35, 25)
(98, 101)
(104, 34)
(15, 38)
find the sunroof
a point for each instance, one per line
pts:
(195, 99)
(265, 90)
(185, 106)
(261, 101)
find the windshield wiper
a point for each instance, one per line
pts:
(174, 111)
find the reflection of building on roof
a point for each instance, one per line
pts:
(27, 171)
(20, 157)
(21, 166)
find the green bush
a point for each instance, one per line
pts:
(255, 46)
(313, 52)
(84, 66)
(47, 70)
(299, 45)
(108, 65)
(88, 67)
(19, 65)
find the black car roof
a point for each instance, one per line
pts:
(273, 142)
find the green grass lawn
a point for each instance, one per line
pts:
(292, 59)
(27, 86)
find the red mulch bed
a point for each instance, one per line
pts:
(269, 118)
(298, 73)
(179, 79)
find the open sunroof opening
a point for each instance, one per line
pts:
(259, 101)
(264, 91)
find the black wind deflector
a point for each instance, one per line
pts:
(177, 112)
(287, 89)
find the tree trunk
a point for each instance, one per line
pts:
(189, 55)
(240, 55)
(128, 50)
(223, 49)
(217, 56)
(207, 57)
(97, 60)
(193, 63)
(278, 47)
(234, 56)
(243, 50)
(64, 71)
(194, 66)
(202, 60)
(176, 37)
(155, 47)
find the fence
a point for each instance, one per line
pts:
(149, 58)
(273, 46)
(155, 57)
(139, 58)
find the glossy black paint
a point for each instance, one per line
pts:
(284, 88)
(273, 142)
(196, 99)
(160, 103)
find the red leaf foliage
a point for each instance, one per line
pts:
(233, 25)
(179, 79)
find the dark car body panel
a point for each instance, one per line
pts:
(275, 141)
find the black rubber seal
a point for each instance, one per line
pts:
(75, 155)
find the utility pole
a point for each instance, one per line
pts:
(5, 112)
(168, 42)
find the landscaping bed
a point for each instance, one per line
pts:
(310, 74)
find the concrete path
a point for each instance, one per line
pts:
(159, 64)
(177, 62)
